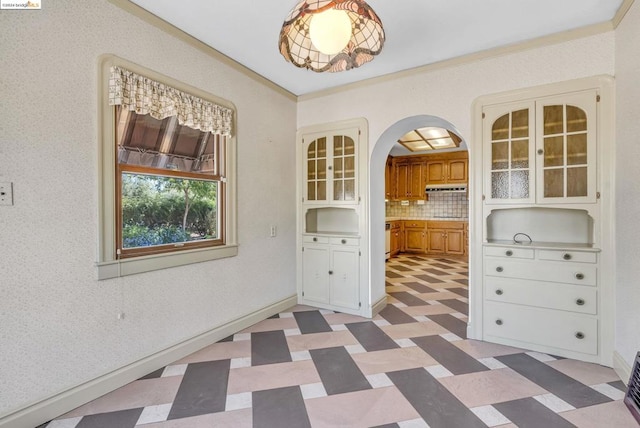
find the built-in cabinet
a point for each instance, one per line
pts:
(331, 217)
(541, 151)
(544, 254)
(415, 232)
(410, 179)
(397, 238)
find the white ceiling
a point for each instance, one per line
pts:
(418, 32)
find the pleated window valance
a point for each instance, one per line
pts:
(146, 96)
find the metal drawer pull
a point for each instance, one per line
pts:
(499, 292)
(579, 276)
(315, 239)
(499, 321)
(580, 302)
(580, 335)
(330, 272)
(566, 256)
(499, 269)
(509, 253)
(344, 241)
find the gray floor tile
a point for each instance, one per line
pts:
(408, 299)
(401, 268)
(391, 274)
(269, 347)
(462, 281)
(619, 385)
(338, 371)
(529, 413)
(440, 266)
(568, 389)
(464, 292)
(203, 390)
(278, 408)
(311, 322)
(371, 337)
(451, 323)
(436, 272)
(153, 375)
(396, 315)
(448, 355)
(418, 287)
(459, 306)
(120, 419)
(429, 279)
(437, 406)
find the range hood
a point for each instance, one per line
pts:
(449, 188)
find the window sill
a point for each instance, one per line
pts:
(133, 266)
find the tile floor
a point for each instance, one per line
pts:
(411, 366)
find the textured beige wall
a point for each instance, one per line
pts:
(58, 325)
(627, 184)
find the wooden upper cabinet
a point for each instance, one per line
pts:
(417, 181)
(389, 182)
(447, 171)
(402, 179)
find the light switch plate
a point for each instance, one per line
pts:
(6, 193)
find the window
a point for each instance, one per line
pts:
(168, 175)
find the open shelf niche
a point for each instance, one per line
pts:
(332, 221)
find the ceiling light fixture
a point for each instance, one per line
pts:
(331, 35)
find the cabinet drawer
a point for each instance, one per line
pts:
(549, 295)
(310, 239)
(445, 224)
(571, 256)
(344, 241)
(556, 329)
(515, 253)
(418, 224)
(570, 273)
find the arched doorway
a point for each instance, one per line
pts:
(377, 164)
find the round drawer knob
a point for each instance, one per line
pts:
(579, 276)
(566, 256)
(580, 302)
(499, 292)
(580, 335)
(315, 239)
(499, 269)
(540, 151)
(344, 241)
(499, 321)
(330, 272)
(509, 253)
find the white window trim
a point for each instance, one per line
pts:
(107, 265)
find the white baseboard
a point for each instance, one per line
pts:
(378, 306)
(54, 406)
(622, 369)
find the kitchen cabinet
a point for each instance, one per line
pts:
(397, 237)
(447, 171)
(415, 236)
(329, 167)
(330, 268)
(410, 178)
(541, 150)
(389, 183)
(445, 237)
(542, 299)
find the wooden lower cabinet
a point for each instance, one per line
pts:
(446, 237)
(415, 236)
(397, 238)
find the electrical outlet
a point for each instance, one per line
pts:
(6, 193)
(120, 315)
(273, 231)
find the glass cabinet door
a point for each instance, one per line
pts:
(317, 170)
(330, 162)
(566, 148)
(509, 132)
(344, 168)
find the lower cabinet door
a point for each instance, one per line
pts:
(544, 327)
(344, 277)
(455, 242)
(315, 273)
(436, 241)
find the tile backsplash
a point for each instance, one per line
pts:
(439, 205)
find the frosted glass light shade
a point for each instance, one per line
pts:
(330, 31)
(365, 40)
